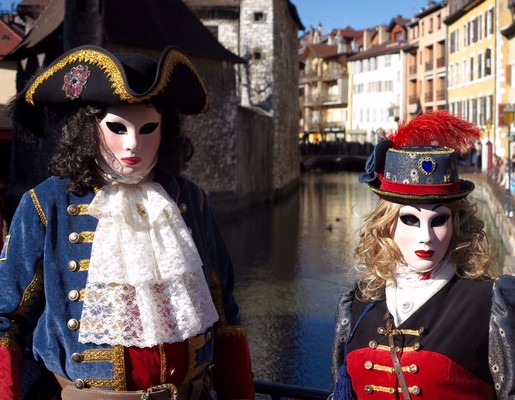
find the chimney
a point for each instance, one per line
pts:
(383, 35)
(342, 46)
(366, 40)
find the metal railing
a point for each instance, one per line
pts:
(283, 391)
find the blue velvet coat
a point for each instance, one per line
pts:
(43, 271)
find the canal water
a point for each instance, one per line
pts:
(292, 261)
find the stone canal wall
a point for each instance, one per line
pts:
(486, 192)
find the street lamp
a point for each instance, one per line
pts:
(509, 113)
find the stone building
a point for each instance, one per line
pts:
(234, 148)
(264, 33)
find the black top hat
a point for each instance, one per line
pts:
(416, 166)
(91, 74)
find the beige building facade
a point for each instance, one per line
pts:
(426, 61)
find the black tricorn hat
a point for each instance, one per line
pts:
(90, 74)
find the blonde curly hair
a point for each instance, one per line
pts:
(377, 254)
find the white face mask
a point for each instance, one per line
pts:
(130, 136)
(423, 234)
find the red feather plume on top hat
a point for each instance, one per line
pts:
(437, 128)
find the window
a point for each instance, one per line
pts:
(259, 16)
(488, 62)
(471, 68)
(213, 29)
(474, 116)
(489, 107)
(388, 60)
(479, 66)
(489, 27)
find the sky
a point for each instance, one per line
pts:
(7, 4)
(359, 14)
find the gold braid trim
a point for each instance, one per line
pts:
(86, 237)
(231, 330)
(194, 344)
(390, 390)
(396, 332)
(222, 327)
(10, 343)
(404, 349)
(82, 209)
(38, 207)
(114, 75)
(385, 368)
(29, 297)
(217, 295)
(412, 332)
(162, 356)
(115, 356)
(83, 265)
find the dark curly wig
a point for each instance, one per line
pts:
(79, 143)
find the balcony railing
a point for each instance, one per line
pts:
(428, 96)
(412, 99)
(278, 391)
(440, 62)
(331, 98)
(333, 126)
(440, 95)
(429, 66)
(332, 74)
(412, 69)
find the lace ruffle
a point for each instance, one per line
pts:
(145, 281)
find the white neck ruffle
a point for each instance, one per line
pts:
(407, 292)
(145, 282)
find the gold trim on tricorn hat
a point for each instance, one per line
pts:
(91, 74)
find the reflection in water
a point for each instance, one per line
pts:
(292, 262)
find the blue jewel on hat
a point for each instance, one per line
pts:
(427, 165)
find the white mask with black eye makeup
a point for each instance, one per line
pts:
(130, 136)
(423, 234)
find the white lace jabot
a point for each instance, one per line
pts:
(145, 283)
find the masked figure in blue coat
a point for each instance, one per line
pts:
(114, 275)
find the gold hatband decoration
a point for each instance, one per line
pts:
(114, 75)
